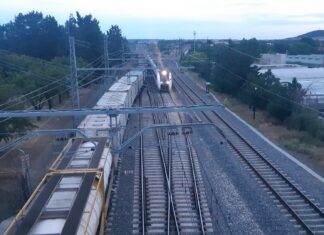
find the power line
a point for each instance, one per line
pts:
(258, 86)
(9, 53)
(41, 76)
(91, 45)
(61, 92)
(26, 69)
(38, 89)
(241, 52)
(29, 93)
(21, 69)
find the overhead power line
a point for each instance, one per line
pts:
(60, 93)
(256, 85)
(60, 82)
(51, 63)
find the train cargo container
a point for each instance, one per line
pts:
(127, 86)
(115, 100)
(140, 74)
(100, 125)
(70, 199)
(112, 100)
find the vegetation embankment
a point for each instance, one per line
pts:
(228, 69)
(34, 63)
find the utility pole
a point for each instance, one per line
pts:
(194, 33)
(25, 165)
(123, 48)
(179, 47)
(106, 56)
(74, 76)
(75, 99)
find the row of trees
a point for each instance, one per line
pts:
(228, 68)
(34, 64)
(41, 36)
(35, 35)
(302, 46)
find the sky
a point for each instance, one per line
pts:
(171, 19)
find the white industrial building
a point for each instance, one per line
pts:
(271, 59)
(310, 78)
(315, 60)
(279, 59)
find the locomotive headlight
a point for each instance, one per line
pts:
(164, 72)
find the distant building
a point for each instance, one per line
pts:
(311, 79)
(271, 59)
(312, 60)
(277, 66)
(280, 59)
(220, 41)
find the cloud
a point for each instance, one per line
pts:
(280, 19)
(213, 18)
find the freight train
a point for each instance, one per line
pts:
(162, 76)
(71, 197)
(120, 95)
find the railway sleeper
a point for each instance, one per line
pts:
(156, 193)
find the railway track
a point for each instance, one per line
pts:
(152, 198)
(187, 165)
(169, 195)
(299, 207)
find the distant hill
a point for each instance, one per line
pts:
(316, 34)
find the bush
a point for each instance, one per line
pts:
(305, 120)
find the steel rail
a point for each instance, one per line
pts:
(196, 201)
(194, 174)
(169, 175)
(196, 193)
(169, 153)
(284, 178)
(170, 197)
(158, 119)
(143, 187)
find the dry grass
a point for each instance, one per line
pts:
(300, 144)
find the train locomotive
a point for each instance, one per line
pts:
(164, 80)
(163, 77)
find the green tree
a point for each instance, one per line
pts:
(10, 126)
(230, 69)
(88, 35)
(33, 34)
(116, 43)
(251, 47)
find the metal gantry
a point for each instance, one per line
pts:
(109, 112)
(106, 57)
